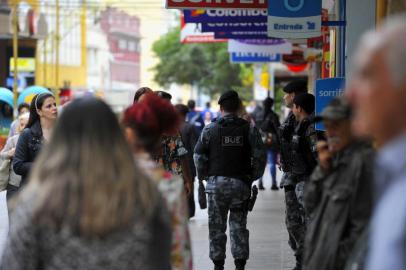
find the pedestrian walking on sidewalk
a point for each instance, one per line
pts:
(338, 196)
(145, 122)
(43, 114)
(295, 220)
(87, 205)
(269, 130)
(229, 155)
(377, 92)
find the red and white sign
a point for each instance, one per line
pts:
(215, 4)
(191, 33)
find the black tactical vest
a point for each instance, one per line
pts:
(285, 136)
(303, 161)
(230, 152)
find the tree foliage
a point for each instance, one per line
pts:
(206, 66)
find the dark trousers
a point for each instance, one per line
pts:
(191, 203)
(228, 199)
(295, 222)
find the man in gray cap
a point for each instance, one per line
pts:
(294, 211)
(338, 197)
(229, 155)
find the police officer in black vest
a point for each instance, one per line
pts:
(295, 220)
(229, 156)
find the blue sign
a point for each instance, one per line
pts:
(241, 35)
(231, 26)
(326, 90)
(254, 58)
(21, 82)
(225, 15)
(294, 18)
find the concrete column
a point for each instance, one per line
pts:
(361, 16)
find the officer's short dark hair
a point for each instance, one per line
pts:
(231, 105)
(191, 104)
(306, 101)
(296, 86)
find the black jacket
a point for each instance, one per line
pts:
(28, 146)
(270, 127)
(338, 204)
(190, 135)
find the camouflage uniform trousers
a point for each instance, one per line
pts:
(295, 221)
(228, 195)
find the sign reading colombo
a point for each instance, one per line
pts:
(214, 4)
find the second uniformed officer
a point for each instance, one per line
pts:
(294, 211)
(229, 155)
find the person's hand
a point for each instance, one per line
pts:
(188, 187)
(324, 155)
(11, 152)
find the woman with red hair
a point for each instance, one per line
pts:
(145, 123)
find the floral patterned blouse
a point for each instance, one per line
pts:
(171, 188)
(172, 149)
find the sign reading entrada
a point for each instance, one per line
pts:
(215, 4)
(294, 19)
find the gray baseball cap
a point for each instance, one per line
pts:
(338, 109)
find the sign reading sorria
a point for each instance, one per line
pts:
(215, 4)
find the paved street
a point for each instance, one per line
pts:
(268, 236)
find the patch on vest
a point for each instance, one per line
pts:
(232, 141)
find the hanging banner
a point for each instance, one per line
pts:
(241, 35)
(221, 4)
(294, 19)
(225, 15)
(231, 26)
(254, 58)
(270, 46)
(192, 33)
(326, 90)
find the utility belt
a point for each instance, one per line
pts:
(244, 178)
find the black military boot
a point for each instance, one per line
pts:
(240, 264)
(218, 264)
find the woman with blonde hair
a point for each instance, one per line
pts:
(145, 123)
(87, 206)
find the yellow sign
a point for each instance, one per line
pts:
(23, 64)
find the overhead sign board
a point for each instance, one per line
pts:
(217, 4)
(294, 19)
(192, 33)
(225, 15)
(326, 90)
(241, 35)
(234, 26)
(254, 58)
(24, 64)
(269, 46)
